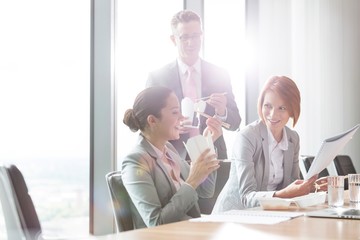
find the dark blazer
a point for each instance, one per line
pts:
(154, 198)
(250, 166)
(213, 80)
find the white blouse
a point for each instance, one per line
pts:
(276, 156)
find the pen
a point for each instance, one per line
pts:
(224, 124)
(318, 186)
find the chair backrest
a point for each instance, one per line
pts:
(307, 160)
(206, 204)
(344, 165)
(13, 229)
(121, 201)
(25, 206)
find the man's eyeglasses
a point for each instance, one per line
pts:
(186, 37)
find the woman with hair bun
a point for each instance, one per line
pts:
(164, 188)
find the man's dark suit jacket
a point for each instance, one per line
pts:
(213, 80)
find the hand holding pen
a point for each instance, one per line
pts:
(321, 184)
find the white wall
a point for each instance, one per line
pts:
(326, 57)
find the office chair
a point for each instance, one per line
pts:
(121, 201)
(344, 166)
(307, 160)
(206, 204)
(25, 207)
(30, 227)
(8, 202)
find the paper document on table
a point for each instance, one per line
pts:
(250, 216)
(329, 149)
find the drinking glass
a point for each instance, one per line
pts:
(354, 190)
(335, 191)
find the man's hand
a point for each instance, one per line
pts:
(218, 101)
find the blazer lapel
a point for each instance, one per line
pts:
(174, 80)
(195, 210)
(265, 147)
(288, 161)
(183, 165)
(158, 161)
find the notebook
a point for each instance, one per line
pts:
(249, 217)
(347, 213)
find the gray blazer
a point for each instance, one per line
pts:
(213, 80)
(249, 173)
(154, 198)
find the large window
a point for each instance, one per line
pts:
(44, 102)
(224, 45)
(142, 44)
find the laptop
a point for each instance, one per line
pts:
(347, 213)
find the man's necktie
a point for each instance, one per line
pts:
(190, 84)
(190, 91)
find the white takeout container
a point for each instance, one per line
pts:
(308, 200)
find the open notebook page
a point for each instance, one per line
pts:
(250, 216)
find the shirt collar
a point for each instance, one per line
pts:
(158, 152)
(183, 67)
(283, 144)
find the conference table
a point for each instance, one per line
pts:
(302, 227)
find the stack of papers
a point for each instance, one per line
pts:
(250, 216)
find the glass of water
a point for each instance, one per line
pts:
(354, 190)
(335, 191)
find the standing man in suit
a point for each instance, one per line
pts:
(209, 80)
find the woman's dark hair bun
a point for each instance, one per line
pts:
(131, 121)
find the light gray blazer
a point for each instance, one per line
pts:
(249, 173)
(153, 194)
